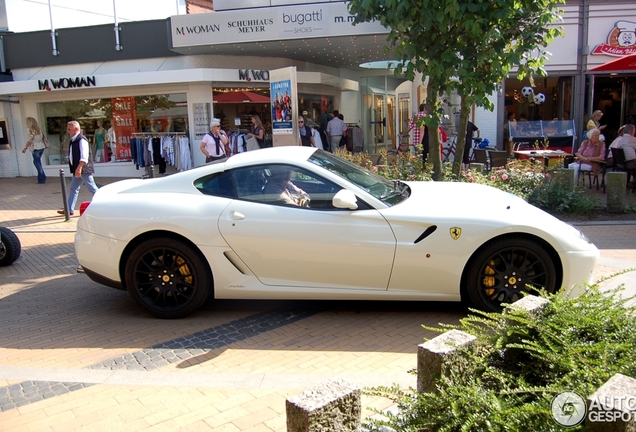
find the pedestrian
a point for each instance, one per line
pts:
(593, 123)
(215, 145)
(78, 158)
(470, 133)
(417, 130)
(36, 144)
(306, 137)
(335, 130)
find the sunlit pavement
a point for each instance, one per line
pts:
(75, 355)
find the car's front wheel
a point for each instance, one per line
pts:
(504, 269)
(167, 277)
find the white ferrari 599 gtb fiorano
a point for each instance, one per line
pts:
(301, 223)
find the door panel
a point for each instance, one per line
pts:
(294, 246)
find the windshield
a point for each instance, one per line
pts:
(387, 191)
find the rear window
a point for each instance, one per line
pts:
(217, 184)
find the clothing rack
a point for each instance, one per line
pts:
(158, 133)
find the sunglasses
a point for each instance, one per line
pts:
(301, 121)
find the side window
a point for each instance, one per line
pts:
(293, 186)
(218, 184)
(250, 182)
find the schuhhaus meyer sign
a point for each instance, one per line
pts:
(274, 23)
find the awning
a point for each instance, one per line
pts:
(623, 64)
(240, 97)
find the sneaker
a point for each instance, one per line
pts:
(62, 212)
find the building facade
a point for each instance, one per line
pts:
(163, 77)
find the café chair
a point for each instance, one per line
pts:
(498, 159)
(481, 156)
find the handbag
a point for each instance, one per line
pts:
(252, 144)
(45, 140)
(89, 168)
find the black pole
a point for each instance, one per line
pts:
(67, 215)
(152, 171)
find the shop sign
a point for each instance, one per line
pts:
(125, 124)
(272, 23)
(256, 75)
(66, 83)
(621, 40)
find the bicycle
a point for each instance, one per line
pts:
(448, 150)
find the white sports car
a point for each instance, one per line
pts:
(301, 223)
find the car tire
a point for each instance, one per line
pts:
(168, 278)
(10, 247)
(500, 272)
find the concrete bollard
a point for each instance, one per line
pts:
(565, 177)
(431, 356)
(612, 408)
(335, 406)
(531, 303)
(478, 167)
(615, 188)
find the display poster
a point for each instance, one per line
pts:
(125, 124)
(284, 96)
(202, 119)
(5, 144)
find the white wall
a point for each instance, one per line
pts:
(486, 121)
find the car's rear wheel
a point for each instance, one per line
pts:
(10, 247)
(504, 269)
(167, 277)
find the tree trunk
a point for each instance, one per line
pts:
(434, 156)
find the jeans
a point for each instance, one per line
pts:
(76, 183)
(37, 162)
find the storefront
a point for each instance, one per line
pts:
(146, 88)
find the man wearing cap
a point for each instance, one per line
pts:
(335, 129)
(593, 123)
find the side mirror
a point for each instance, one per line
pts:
(345, 199)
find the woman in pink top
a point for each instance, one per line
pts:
(590, 156)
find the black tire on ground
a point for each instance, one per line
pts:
(168, 278)
(10, 248)
(505, 268)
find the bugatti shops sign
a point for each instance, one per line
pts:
(66, 83)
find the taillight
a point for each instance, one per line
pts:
(84, 206)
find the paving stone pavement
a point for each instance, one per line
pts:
(77, 356)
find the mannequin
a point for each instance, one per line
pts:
(111, 139)
(100, 138)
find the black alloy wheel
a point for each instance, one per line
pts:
(504, 269)
(10, 247)
(168, 278)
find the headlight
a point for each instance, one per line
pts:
(581, 234)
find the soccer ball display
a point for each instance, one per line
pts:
(527, 91)
(539, 98)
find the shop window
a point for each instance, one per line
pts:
(110, 123)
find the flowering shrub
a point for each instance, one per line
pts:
(531, 181)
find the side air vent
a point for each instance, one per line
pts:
(430, 230)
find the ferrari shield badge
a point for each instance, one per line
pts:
(455, 233)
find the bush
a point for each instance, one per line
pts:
(519, 363)
(523, 178)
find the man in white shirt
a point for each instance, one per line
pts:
(628, 144)
(335, 130)
(78, 154)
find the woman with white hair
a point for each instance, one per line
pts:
(215, 145)
(590, 156)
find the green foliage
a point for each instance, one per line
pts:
(469, 46)
(519, 363)
(555, 197)
(521, 177)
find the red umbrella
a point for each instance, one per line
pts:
(625, 63)
(240, 97)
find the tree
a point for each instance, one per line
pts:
(468, 46)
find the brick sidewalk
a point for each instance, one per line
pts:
(77, 356)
